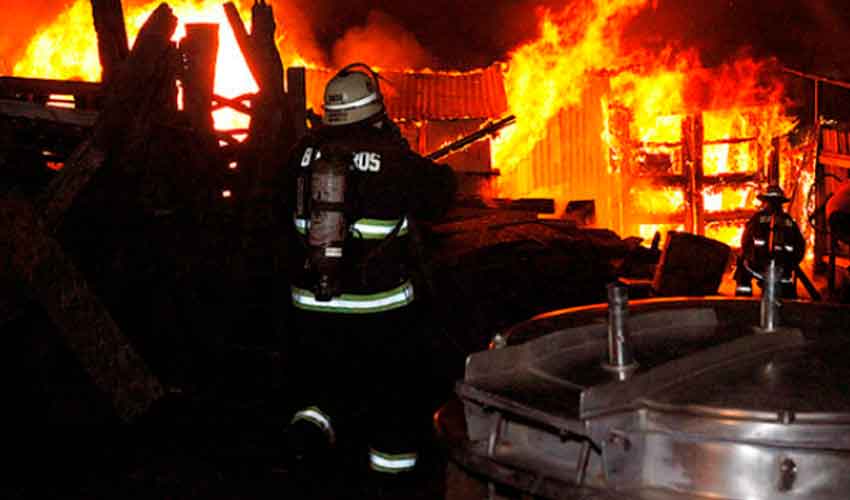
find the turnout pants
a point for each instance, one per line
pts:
(364, 377)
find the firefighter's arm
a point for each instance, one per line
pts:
(433, 190)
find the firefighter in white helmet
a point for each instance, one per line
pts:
(360, 340)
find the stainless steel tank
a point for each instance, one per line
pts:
(708, 404)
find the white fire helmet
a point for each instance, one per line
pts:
(352, 95)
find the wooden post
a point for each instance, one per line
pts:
(270, 133)
(243, 39)
(38, 261)
(692, 146)
(111, 36)
(200, 49)
(296, 90)
(698, 175)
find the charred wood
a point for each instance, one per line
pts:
(243, 39)
(137, 97)
(238, 103)
(39, 262)
(199, 50)
(690, 265)
(296, 79)
(140, 94)
(270, 134)
(37, 90)
(30, 111)
(111, 36)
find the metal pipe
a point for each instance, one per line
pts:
(770, 297)
(620, 357)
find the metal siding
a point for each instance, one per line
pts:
(569, 162)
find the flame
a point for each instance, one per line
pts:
(729, 198)
(67, 49)
(727, 232)
(549, 73)
(666, 200)
(740, 106)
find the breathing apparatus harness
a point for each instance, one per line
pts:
(325, 201)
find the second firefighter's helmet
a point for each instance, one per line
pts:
(352, 95)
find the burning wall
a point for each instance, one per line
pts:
(688, 146)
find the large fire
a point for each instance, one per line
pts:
(737, 109)
(67, 49)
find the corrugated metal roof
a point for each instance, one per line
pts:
(430, 95)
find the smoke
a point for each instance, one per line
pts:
(441, 34)
(381, 42)
(810, 35)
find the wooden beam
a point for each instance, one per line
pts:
(265, 54)
(242, 38)
(296, 83)
(111, 36)
(200, 50)
(38, 261)
(38, 89)
(271, 132)
(28, 110)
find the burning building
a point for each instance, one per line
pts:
(656, 140)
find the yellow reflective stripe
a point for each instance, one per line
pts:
(367, 229)
(392, 463)
(351, 303)
(317, 417)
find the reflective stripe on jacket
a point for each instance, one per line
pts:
(392, 463)
(352, 303)
(366, 229)
(318, 418)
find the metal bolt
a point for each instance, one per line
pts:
(787, 474)
(498, 341)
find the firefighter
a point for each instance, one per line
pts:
(771, 233)
(357, 190)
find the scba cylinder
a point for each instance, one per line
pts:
(328, 228)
